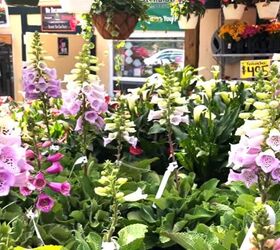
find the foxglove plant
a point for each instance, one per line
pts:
(255, 159)
(171, 109)
(40, 82)
(110, 187)
(85, 98)
(120, 127)
(47, 168)
(14, 168)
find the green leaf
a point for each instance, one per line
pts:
(94, 240)
(200, 213)
(60, 233)
(188, 241)
(134, 245)
(11, 212)
(156, 129)
(87, 188)
(131, 233)
(147, 214)
(179, 134)
(246, 201)
(78, 216)
(185, 187)
(210, 185)
(229, 239)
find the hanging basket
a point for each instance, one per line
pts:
(267, 10)
(231, 13)
(188, 24)
(71, 6)
(22, 2)
(122, 25)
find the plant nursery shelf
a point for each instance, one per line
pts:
(244, 55)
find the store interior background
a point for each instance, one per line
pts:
(208, 25)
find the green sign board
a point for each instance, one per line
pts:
(161, 18)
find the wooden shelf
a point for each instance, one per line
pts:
(245, 55)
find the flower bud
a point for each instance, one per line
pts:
(261, 114)
(262, 96)
(121, 181)
(260, 236)
(245, 115)
(101, 191)
(274, 104)
(103, 180)
(260, 105)
(119, 195)
(225, 96)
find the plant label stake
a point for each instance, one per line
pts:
(172, 166)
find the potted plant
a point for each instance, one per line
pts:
(187, 12)
(22, 2)
(71, 6)
(267, 9)
(233, 9)
(117, 19)
(253, 38)
(231, 34)
(273, 30)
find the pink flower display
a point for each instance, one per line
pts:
(44, 203)
(63, 188)
(55, 168)
(273, 141)
(55, 157)
(267, 161)
(95, 104)
(39, 181)
(7, 180)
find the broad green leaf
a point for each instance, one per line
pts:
(210, 185)
(156, 129)
(188, 241)
(229, 239)
(246, 201)
(60, 234)
(78, 215)
(179, 134)
(137, 244)
(87, 187)
(94, 240)
(131, 233)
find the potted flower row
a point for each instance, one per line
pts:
(187, 12)
(239, 37)
(234, 9)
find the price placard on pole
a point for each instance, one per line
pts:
(250, 68)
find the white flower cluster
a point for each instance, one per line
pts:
(120, 126)
(172, 107)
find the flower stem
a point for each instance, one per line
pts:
(45, 102)
(114, 222)
(171, 148)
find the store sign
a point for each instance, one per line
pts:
(250, 68)
(54, 19)
(160, 15)
(4, 16)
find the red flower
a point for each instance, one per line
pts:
(107, 99)
(135, 150)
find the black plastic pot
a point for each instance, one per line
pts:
(229, 47)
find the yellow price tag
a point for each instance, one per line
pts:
(250, 68)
